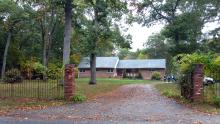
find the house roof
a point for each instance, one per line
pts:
(114, 62)
(147, 63)
(101, 62)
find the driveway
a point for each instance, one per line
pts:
(129, 104)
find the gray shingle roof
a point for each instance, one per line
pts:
(101, 62)
(112, 62)
(147, 63)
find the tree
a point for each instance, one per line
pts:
(67, 31)
(12, 15)
(47, 16)
(183, 21)
(188, 26)
(123, 53)
(101, 14)
(156, 46)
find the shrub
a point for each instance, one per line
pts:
(79, 98)
(39, 68)
(13, 75)
(217, 101)
(27, 68)
(156, 76)
(217, 61)
(33, 69)
(76, 71)
(171, 94)
(139, 76)
(184, 62)
(53, 71)
(39, 71)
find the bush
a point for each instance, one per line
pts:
(13, 76)
(32, 69)
(53, 71)
(139, 76)
(171, 94)
(156, 76)
(79, 98)
(185, 61)
(39, 68)
(76, 71)
(27, 68)
(217, 101)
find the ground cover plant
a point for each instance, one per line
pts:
(172, 90)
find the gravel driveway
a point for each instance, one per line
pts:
(129, 104)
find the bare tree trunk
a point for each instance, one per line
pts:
(67, 32)
(46, 49)
(93, 54)
(47, 30)
(93, 68)
(6, 53)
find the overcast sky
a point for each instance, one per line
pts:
(140, 34)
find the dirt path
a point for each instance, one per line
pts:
(128, 104)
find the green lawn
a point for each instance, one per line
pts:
(52, 89)
(172, 90)
(30, 89)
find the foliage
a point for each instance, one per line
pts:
(209, 93)
(75, 59)
(39, 68)
(156, 47)
(183, 33)
(124, 53)
(171, 94)
(13, 76)
(156, 76)
(79, 98)
(76, 72)
(53, 71)
(169, 90)
(174, 92)
(27, 68)
(184, 62)
(217, 101)
(217, 61)
(32, 68)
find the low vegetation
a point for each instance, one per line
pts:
(78, 98)
(172, 90)
(83, 91)
(156, 76)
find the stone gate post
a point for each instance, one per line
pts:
(197, 82)
(69, 81)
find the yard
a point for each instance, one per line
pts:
(172, 90)
(30, 89)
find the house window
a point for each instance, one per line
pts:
(82, 70)
(110, 70)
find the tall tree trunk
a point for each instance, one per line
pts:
(47, 30)
(6, 53)
(46, 49)
(93, 68)
(67, 32)
(93, 44)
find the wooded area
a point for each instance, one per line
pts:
(43, 35)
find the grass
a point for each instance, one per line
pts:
(104, 85)
(172, 90)
(32, 89)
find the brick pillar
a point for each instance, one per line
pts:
(197, 82)
(69, 81)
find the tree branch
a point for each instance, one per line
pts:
(160, 14)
